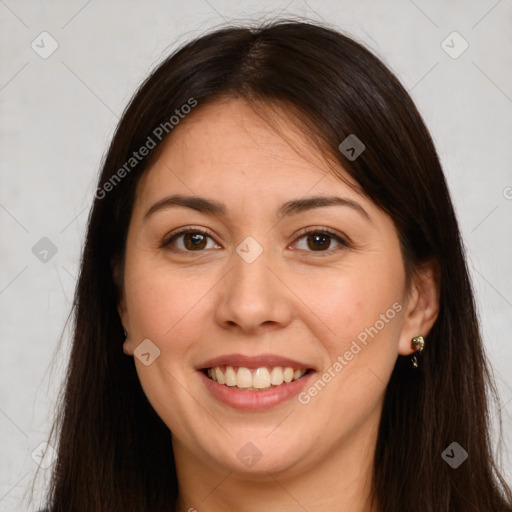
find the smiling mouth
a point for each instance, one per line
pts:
(257, 379)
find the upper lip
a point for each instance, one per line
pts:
(268, 360)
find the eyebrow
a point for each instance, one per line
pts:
(212, 207)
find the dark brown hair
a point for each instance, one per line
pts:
(114, 452)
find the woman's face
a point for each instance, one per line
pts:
(268, 282)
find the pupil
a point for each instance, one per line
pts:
(193, 241)
(317, 241)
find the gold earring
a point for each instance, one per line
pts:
(418, 343)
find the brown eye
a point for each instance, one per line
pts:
(318, 242)
(321, 241)
(189, 241)
(193, 241)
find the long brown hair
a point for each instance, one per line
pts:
(114, 452)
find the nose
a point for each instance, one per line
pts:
(254, 297)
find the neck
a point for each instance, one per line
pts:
(340, 480)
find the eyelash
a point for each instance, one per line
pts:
(308, 231)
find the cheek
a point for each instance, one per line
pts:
(363, 318)
(354, 304)
(361, 315)
(161, 302)
(167, 308)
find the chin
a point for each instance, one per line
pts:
(253, 455)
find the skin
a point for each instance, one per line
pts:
(292, 301)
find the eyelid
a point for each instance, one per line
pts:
(343, 240)
(322, 229)
(183, 231)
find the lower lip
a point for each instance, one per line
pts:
(256, 400)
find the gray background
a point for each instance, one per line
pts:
(58, 114)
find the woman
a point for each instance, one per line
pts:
(273, 306)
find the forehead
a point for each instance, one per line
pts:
(230, 148)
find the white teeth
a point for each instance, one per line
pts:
(230, 376)
(276, 376)
(251, 380)
(261, 378)
(220, 376)
(243, 377)
(288, 374)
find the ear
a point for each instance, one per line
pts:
(128, 347)
(122, 308)
(422, 306)
(122, 311)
